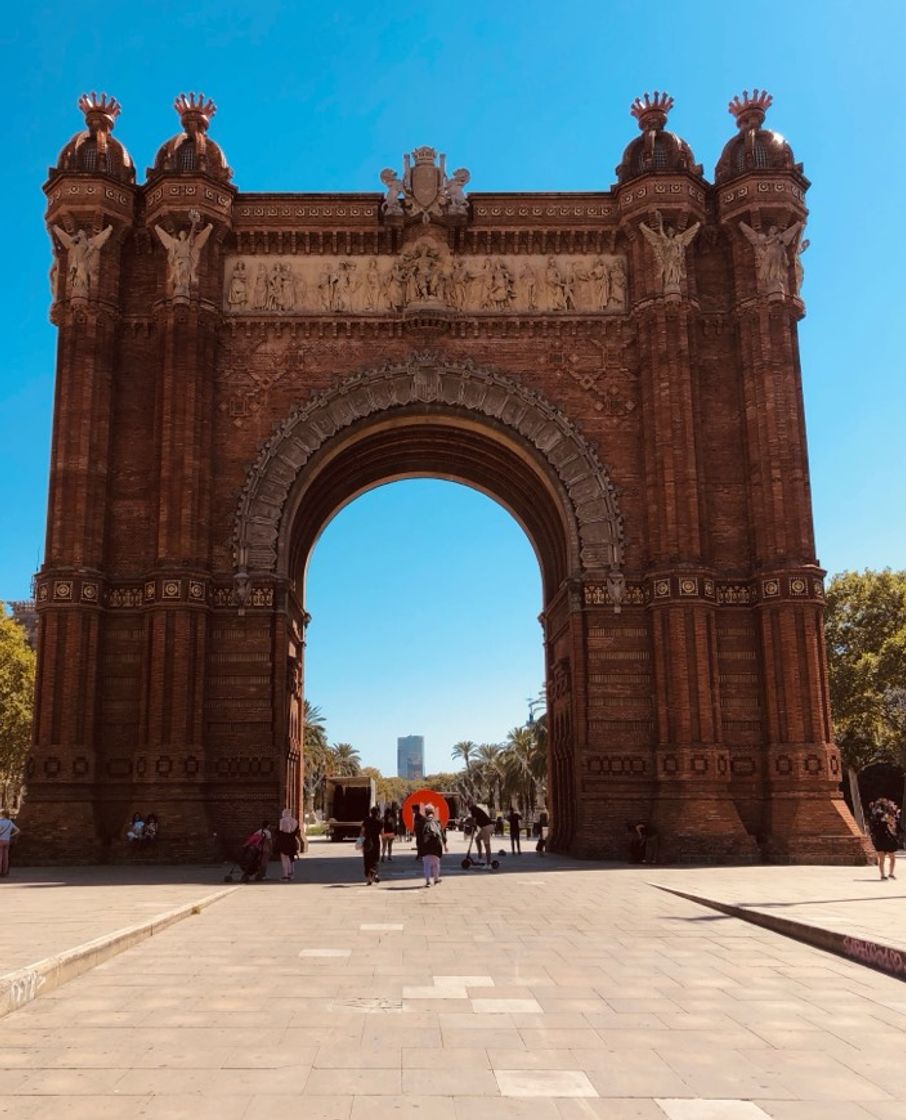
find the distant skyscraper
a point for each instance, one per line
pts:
(410, 757)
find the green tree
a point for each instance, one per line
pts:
(316, 755)
(865, 628)
(346, 761)
(490, 768)
(17, 701)
(524, 764)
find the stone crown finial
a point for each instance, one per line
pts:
(100, 111)
(651, 112)
(750, 111)
(195, 111)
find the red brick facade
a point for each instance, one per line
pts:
(618, 368)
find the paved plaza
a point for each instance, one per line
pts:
(550, 990)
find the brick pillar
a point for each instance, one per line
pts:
(805, 816)
(59, 818)
(172, 768)
(693, 807)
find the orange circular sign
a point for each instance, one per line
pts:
(425, 797)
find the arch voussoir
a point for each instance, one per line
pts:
(426, 379)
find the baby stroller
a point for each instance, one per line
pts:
(251, 862)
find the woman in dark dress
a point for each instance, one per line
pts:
(884, 825)
(371, 846)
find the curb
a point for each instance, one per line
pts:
(26, 984)
(872, 954)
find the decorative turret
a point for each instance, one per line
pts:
(754, 148)
(656, 149)
(93, 151)
(191, 151)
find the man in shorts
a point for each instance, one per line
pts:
(484, 830)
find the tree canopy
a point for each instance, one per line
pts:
(866, 651)
(17, 689)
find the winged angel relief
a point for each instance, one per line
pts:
(183, 255)
(670, 251)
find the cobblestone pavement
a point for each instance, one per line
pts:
(550, 990)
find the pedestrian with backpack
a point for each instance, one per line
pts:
(433, 846)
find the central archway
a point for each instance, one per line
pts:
(433, 418)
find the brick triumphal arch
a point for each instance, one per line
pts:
(618, 368)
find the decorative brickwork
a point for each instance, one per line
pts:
(619, 368)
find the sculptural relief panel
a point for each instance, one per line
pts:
(425, 275)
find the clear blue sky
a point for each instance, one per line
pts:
(528, 96)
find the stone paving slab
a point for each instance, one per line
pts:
(650, 1008)
(47, 911)
(849, 910)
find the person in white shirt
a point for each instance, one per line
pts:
(7, 831)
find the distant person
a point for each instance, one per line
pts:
(643, 843)
(434, 844)
(544, 824)
(498, 825)
(514, 819)
(288, 836)
(151, 829)
(371, 845)
(388, 833)
(137, 828)
(418, 827)
(884, 826)
(8, 829)
(484, 830)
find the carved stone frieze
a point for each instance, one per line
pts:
(426, 275)
(429, 379)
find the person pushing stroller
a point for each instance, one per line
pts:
(256, 853)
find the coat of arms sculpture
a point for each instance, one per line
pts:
(425, 190)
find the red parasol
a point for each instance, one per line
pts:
(425, 797)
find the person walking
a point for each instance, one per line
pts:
(434, 844)
(371, 844)
(8, 829)
(388, 833)
(288, 836)
(543, 830)
(883, 824)
(484, 830)
(514, 819)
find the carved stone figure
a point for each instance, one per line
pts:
(347, 287)
(772, 261)
(424, 272)
(83, 261)
(399, 278)
(559, 286)
(618, 282)
(425, 190)
(371, 287)
(798, 270)
(287, 288)
(669, 251)
(458, 283)
(393, 200)
(328, 289)
(527, 287)
(453, 191)
(183, 256)
(238, 294)
(501, 288)
(260, 297)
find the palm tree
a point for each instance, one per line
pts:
(524, 761)
(313, 729)
(315, 753)
(464, 750)
(489, 765)
(346, 761)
